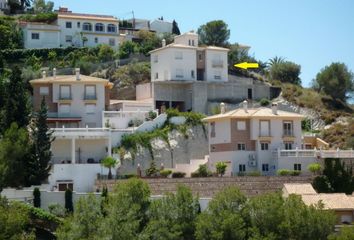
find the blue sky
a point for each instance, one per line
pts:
(312, 33)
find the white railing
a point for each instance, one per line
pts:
(316, 153)
(77, 132)
(121, 119)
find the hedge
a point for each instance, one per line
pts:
(14, 55)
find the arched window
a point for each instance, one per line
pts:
(87, 27)
(99, 27)
(111, 28)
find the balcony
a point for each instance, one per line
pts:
(62, 115)
(86, 133)
(302, 153)
(65, 99)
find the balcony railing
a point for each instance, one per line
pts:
(61, 115)
(288, 133)
(316, 153)
(81, 132)
(65, 97)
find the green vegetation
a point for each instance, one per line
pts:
(264, 102)
(10, 32)
(69, 200)
(315, 168)
(36, 198)
(202, 171)
(165, 173)
(109, 162)
(132, 142)
(132, 74)
(40, 17)
(220, 168)
(214, 33)
(336, 178)
(346, 233)
(175, 28)
(286, 172)
(340, 135)
(178, 175)
(335, 76)
(152, 171)
(286, 72)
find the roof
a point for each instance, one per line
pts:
(87, 16)
(253, 113)
(334, 201)
(71, 79)
(299, 188)
(174, 45)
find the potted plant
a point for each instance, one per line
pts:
(109, 162)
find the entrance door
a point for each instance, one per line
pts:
(250, 93)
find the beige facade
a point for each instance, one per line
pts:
(248, 139)
(73, 100)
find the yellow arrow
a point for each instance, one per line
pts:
(246, 65)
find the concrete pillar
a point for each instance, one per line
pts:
(109, 146)
(73, 148)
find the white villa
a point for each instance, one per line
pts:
(85, 130)
(72, 29)
(264, 140)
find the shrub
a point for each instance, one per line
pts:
(254, 173)
(152, 115)
(69, 200)
(57, 210)
(195, 175)
(36, 198)
(314, 168)
(40, 17)
(295, 173)
(202, 171)
(283, 172)
(264, 102)
(165, 173)
(221, 168)
(152, 170)
(178, 175)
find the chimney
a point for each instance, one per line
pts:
(54, 72)
(245, 105)
(163, 43)
(222, 108)
(44, 74)
(275, 108)
(77, 71)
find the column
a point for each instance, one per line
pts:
(73, 157)
(110, 144)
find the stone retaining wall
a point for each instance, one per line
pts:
(207, 187)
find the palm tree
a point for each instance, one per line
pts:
(275, 60)
(109, 162)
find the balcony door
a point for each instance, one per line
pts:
(288, 128)
(264, 129)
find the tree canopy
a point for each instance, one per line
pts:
(214, 33)
(335, 76)
(286, 72)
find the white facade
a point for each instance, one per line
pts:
(178, 61)
(3, 4)
(38, 35)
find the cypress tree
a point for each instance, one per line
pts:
(175, 28)
(69, 201)
(39, 164)
(36, 198)
(16, 102)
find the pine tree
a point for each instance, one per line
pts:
(38, 166)
(175, 29)
(16, 102)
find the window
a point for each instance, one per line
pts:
(241, 147)
(212, 129)
(288, 128)
(288, 145)
(192, 42)
(35, 36)
(156, 75)
(265, 167)
(264, 128)
(90, 108)
(43, 91)
(200, 57)
(65, 92)
(156, 58)
(242, 167)
(96, 40)
(99, 27)
(179, 73)
(90, 92)
(297, 167)
(264, 146)
(217, 61)
(87, 27)
(112, 42)
(241, 125)
(178, 55)
(111, 28)
(64, 108)
(64, 186)
(217, 75)
(189, 42)
(192, 74)
(68, 25)
(68, 38)
(78, 24)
